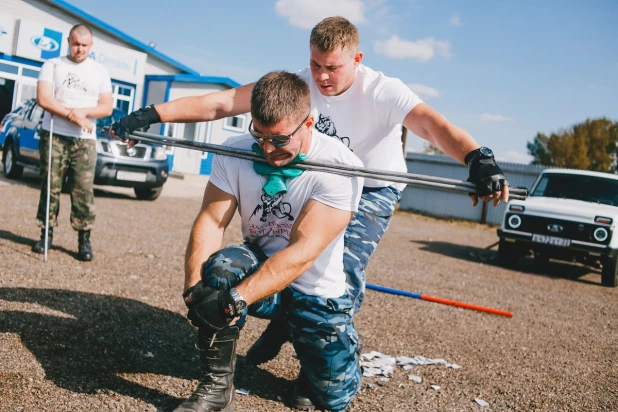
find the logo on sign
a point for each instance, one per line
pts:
(44, 43)
(555, 228)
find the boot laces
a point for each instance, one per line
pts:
(208, 385)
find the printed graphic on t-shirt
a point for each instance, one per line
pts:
(275, 205)
(326, 125)
(72, 81)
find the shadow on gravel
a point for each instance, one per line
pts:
(101, 337)
(11, 237)
(553, 269)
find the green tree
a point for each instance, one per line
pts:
(432, 150)
(591, 145)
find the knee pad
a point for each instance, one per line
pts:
(230, 265)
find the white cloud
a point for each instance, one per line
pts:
(488, 117)
(424, 91)
(455, 20)
(514, 157)
(307, 13)
(422, 50)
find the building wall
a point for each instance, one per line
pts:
(125, 62)
(446, 203)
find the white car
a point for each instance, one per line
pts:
(569, 215)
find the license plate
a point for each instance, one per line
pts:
(131, 176)
(551, 240)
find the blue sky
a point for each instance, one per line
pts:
(503, 70)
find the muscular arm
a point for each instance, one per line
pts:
(206, 237)
(211, 106)
(427, 123)
(315, 228)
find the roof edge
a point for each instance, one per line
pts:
(191, 78)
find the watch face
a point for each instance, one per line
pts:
(241, 305)
(486, 151)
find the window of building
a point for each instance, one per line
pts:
(123, 97)
(235, 123)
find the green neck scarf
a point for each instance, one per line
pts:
(275, 176)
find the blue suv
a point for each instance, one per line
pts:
(143, 167)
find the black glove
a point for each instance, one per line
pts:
(211, 308)
(196, 290)
(486, 175)
(139, 119)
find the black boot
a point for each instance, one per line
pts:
(216, 390)
(84, 249)
(39, 246)
(269, 344)
(302, 391)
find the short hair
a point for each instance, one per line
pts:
(334, 32)
(280, 95)
(81, 29)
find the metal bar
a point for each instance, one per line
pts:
(347, 170)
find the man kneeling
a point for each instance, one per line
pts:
(291, 263)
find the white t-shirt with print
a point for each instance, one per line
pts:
(267, 220)
(367, 118)
(76, 85)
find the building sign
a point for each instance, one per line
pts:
(38, 42)
(7, 33)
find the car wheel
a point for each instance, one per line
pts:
(150, 193)
(609, 272)
(9, 162)
(508, 254)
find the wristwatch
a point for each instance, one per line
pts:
(482, 152)
(240, 304)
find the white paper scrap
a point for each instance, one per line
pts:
(242, 391)
(415, 378)
(435, 387)
(481, 402)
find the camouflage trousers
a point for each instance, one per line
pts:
(320, 329)
(78, 158)
(363, 234)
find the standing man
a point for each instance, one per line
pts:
(365, 110)
(75, 90)
(291, 264)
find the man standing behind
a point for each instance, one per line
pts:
(75, 90)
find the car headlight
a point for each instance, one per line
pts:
(514, 221)
(159, 153)
(103, 147)
(600, 234)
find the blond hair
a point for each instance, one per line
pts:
(280, 95)
(334, 32)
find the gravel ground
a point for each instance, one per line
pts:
(111, 334)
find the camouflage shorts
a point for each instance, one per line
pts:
(363, 234)
(76, 158)
(321, 329)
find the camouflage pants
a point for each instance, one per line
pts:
(78, 158)
(321, 329)
(363, 234)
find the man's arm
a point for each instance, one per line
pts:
(315, 228)
(206, 237)
(45, 99)
(432, 126)
(211, 106)
(102, 109)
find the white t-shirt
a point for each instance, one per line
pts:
(76, 85)
(267, 221)
(367, 118)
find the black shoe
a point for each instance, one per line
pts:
(39, 246)
(302, 391)
(269, 344)
(84, 249)
(216, 390)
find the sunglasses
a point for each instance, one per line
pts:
(277, 140)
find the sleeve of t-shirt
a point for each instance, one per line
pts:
(395, 100)
(337, 191)
(304, 74)
(106, 82)
(221, 174)
(46, 73)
